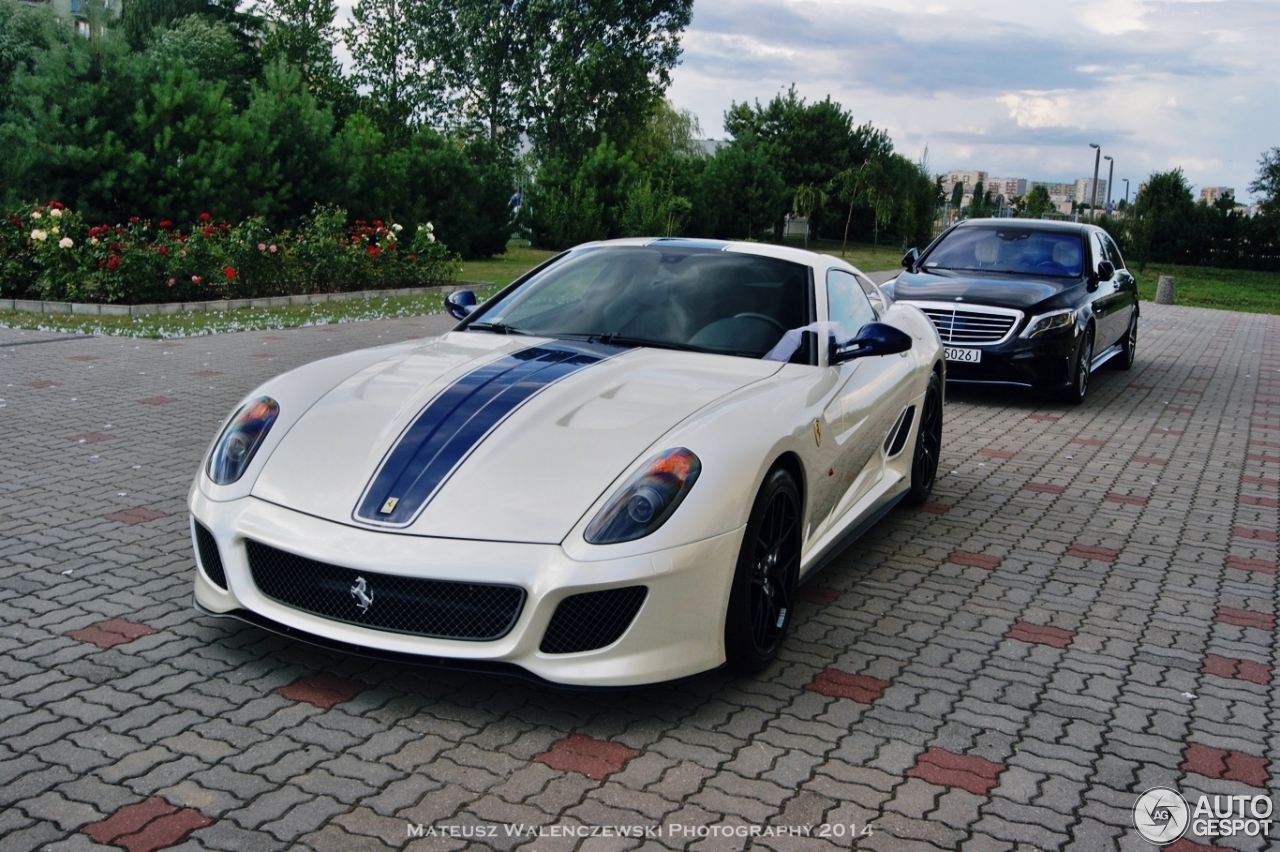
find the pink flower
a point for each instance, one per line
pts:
(262, 246)
(171, 282)
(272, 249)
(195, 279)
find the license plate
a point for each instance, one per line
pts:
(964, 356)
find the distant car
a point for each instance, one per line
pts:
(1033, 303)
(616, 471)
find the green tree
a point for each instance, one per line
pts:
(291, 136)
(303, 33)
(208, 47)
(1035, 203)
(393, 64)
(741, 194)
(1267, 184)
(803, 201)
(595, 69)
(957, 196)
(1163, 227)
(808, 143)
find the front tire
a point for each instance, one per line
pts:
(763, 595)
(924, 460)
(1079, 387)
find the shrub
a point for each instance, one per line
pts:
(47, 251)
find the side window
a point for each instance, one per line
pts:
(1098, 249)
(847, 303)
(1113, 253)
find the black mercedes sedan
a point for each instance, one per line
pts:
(1025, 302)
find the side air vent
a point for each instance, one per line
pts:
(592, 620)
(898, 437)
(210, 558)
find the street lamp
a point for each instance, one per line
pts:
(1126, 192)
(1097, 161)
(1111, 171)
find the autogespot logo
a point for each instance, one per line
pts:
(1161, 815)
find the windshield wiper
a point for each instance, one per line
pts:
(496, 328)
(623, 340)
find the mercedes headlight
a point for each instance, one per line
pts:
(1045, 323)
(240, 440)
(647, 499)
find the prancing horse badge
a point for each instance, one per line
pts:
(817, 432)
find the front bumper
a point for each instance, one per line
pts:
(678, 630)
(1041, 362)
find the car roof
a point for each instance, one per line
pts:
(760, 249)
(1030, 224)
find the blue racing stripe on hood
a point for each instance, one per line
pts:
(454, 423)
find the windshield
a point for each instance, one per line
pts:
(1019, 250)
(669, 296)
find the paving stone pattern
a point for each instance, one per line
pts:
(1085, 609)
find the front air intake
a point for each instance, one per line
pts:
(478, 612)
(592, 620)
(210, 558)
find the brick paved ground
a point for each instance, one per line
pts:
(1085, 610)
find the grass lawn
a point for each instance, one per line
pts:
(1224, 289)
(504, 268)
(245, 319)
(1206, 287)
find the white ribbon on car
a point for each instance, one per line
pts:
(790, 342)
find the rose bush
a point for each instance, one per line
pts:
(49, 252)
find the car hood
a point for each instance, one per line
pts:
(1004, 292)
(483, 436)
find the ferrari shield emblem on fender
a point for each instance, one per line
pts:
(817, 432)
(389, 506)
(360, 591)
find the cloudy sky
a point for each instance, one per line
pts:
(1018, 88)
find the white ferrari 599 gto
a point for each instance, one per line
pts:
(616, 471)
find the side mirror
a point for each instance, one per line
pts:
(910, 259)
(876, 338)
(460, 304)
(1106, 270)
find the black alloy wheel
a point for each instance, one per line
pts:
(1075, 393)
(924, 461)
(764, 584)
(1128, 346)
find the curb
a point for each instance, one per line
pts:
(31, 306)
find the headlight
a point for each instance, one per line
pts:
(647, 499)
(241, 439)
(1046, 323)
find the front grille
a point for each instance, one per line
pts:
(592, 620)
(210, 558)
(439, 609)
(970, 327)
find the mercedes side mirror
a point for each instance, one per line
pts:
(1106, 270)
(460, 304)
(876, 338)
(910, 259)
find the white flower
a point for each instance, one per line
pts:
(40, 235)
(35, 214)
(430, 227)
(397, 227)
(93, 241)
(55, 213)
(65, 242)
(431, 238)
